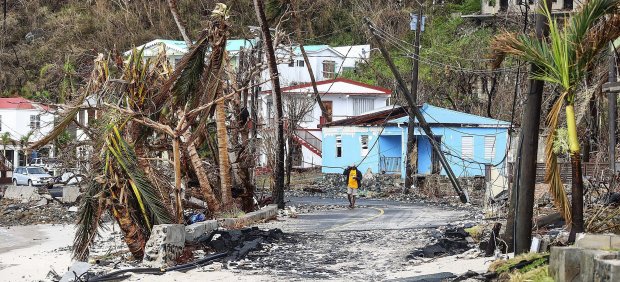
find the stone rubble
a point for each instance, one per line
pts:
(16, 212)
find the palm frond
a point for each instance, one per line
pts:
(90, 214)
(185, 81)
(58, 129)
(552, 173)
(147, 196)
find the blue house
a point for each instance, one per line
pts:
(377, 142)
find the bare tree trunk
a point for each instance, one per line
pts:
(212, 203)
(180, 24)
(300, 40)
(177, 178)
(289, 152)
(222, 145)
(278, 173)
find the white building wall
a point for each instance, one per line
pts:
(16, 122)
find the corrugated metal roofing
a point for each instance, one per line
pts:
(432, 115)
(18, 103)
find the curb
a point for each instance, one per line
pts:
(268, 212)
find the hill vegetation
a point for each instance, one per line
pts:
(48, 46)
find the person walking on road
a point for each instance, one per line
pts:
(353, 179)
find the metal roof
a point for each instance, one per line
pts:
(432, 115)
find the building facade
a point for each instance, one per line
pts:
(342, 99)
(377, 142)
(23, 122)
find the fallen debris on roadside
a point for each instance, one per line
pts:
(15, 212)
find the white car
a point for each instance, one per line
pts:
(46, 163)
(31, 176)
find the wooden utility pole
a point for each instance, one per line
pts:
(529, 149)
(276, 93)
(421, 120)
(411, 141)
(612, 99)
(300, 40)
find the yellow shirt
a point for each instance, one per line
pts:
(352, 179)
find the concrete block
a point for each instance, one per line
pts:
(194, 231)
(588, 261)
(76, 270)
(606, 268)
(265, 213)
(615, 242)
(70, 194)
(24, 193)
(565, 263)
(594, 241)
(165, 245)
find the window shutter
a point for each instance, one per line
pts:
(467, 147)
(362, 105)
(489, 147)
(364, 143)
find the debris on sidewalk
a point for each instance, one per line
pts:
(451, 241)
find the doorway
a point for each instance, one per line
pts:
(329, 109)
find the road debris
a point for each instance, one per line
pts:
(451, 242)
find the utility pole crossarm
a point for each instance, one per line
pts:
(418, 114)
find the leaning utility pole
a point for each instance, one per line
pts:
(411, 141)
(416, 111)
(529, 149)
(278, 173)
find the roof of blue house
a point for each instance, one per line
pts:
(432, 115)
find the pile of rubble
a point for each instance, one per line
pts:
(23, 205)
(43, 211)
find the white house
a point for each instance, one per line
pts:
(342, 98)
(326, 62)
(21, 118)
(492, 7)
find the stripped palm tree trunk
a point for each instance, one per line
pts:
(203, 179)
(222, 145)
(577, 178)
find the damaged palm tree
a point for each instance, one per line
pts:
(565, 59)
(151, 123)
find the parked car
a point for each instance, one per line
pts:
(31, 176)
(46, 163)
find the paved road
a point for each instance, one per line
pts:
(370, 215)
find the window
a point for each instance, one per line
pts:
(291, 63)
(338, 146)
(35, 121)
(489, 147)
(467, 147)
(329, 69)
(300, 63)
(362, 105)
(269, 111)
(82, 117)
(364, 143)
